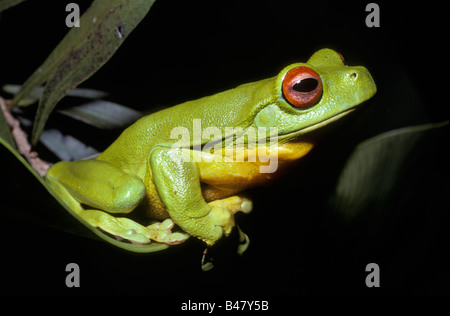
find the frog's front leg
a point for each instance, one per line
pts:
(103, 186)
(178, 184)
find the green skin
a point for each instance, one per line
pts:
(139, 160)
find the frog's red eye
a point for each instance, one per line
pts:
(302, 87)
(342, 57)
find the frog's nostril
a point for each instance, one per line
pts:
(353, 75)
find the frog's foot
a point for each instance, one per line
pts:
(222, 211)
(127, 229)
(162, 232)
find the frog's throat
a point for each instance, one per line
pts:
(289, 136)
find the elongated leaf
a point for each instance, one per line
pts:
(103, 114)
(6, 4)
(103, 28)
(34, 95)
(66, 147)
(375, 166)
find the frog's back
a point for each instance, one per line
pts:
(235, 107)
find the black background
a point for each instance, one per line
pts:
(188, 49)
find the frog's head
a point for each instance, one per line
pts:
(310, 95)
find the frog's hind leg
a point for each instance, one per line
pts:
(105, 187)
(98, 184)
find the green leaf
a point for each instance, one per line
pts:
(34, 95)
(66, 147)
(103, 114)
(6, 4)
(103, 28)
(374, 167)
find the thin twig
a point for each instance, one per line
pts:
(23, 146)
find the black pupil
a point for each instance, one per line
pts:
(306, 85)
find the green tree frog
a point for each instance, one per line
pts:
(195, 181)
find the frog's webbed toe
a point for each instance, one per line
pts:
(120, 227)
(126, 229)
(162, 232)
